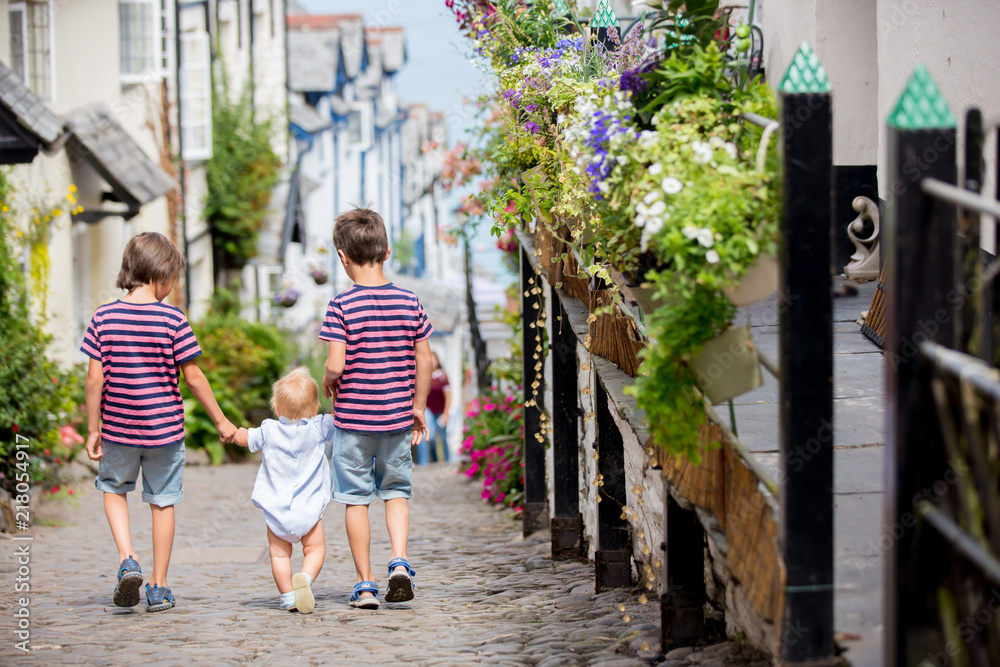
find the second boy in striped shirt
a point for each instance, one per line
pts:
(379, 367)
(138, 347)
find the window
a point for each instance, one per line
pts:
(31, 45)
(146, 39)
(139, 26)
(196, 96)
(359, 127)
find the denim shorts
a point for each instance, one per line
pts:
(366, 465)
(162, 470)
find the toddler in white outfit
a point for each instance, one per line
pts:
(294, 483)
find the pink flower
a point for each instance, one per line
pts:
(486, 495)
(509, 399)
(490, 406)
(473, 469)
(500, 497)
(69, 436)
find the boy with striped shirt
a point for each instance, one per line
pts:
(378, 369)
(137, 347)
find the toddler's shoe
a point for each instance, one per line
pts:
(304, 600)
(288, 601)
(129, 581)
(159, 598)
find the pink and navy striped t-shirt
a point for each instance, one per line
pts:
(379, 326)
(141, 348)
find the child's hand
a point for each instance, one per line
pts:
(227, 431)
(420, 431)
(330, 386)
(94, 449)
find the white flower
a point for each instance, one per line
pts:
(730, 149)
(655, 169)
(658, 208)
(671, 185)
(654, 225)
(714, 141)
(712, 257)
(701, 234)
(647, 138)
(702, 151)
(650, 198)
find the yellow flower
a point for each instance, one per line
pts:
(56, 212)
(72, 188)
(71, 199)
(4, 208)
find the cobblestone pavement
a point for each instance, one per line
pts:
(484, 595)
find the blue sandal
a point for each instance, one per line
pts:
(400, 583)
(129, 581)
(159, 598)
(365, 603)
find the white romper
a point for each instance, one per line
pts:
(294, 483)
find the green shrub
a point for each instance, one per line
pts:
(37, 400)
(241, 361)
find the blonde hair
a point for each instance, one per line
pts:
(296, 395)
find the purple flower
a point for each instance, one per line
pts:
(632, 82)
(532, 127)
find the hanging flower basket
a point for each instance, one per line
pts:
(320, 276)
(728, 365)
(286, 298)
(758, 282)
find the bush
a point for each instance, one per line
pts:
(241, 361)
(494, 429)
(38, 402)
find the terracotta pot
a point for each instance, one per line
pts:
(758, 282)
(727, 365)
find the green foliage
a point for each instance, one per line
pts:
(685, 23)
(36, 398)
(239, 176)
(241, 361)
(404, 250)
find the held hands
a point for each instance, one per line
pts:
(420, 431)
(94, 449)
(227, 431)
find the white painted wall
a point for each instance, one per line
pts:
(956, 41)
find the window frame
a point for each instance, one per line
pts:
(31, 29)
(366, 120)
(25, 61)
(155, 47)
(191, 153)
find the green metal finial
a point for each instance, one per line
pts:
(561, 8)
(604, 17)
(805, 74)
(921, 106)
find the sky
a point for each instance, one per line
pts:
(438, 72)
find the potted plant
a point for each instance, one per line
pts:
(320, 276)
(287, 297)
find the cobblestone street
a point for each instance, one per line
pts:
(484, 595)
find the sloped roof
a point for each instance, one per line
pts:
(313, 59)
(390, 43)
(119, 160)
(27, 109)
(307, 119)
(352, 43)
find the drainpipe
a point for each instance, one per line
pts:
(181, 171)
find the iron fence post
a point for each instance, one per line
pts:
(806, 390)
(567, 524)
(921, 251)
(534, 515)
(613, 559)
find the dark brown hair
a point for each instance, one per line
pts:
(149, 258)
(360, 233)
